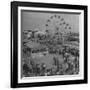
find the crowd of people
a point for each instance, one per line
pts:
(69, 66)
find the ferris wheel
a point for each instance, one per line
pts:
(57, 23)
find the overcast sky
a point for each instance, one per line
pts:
(37, 20)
